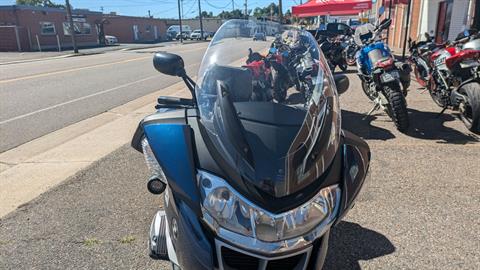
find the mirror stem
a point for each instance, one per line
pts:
(190, 85)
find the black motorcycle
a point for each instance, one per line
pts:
(333, 49)
(247, 184)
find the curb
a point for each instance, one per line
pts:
(49, 58)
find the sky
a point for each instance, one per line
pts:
(166, 8)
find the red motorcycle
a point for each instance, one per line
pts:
(454, 80)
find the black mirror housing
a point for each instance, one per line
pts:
(342, 83)
(169, 64)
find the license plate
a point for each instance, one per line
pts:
(389, 77)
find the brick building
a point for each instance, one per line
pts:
(30, 28)
(130, 29)
(443, 19)
(26, 28)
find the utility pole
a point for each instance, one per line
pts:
(406, 29)
(149, 14)
(280, 11)
(72, 28)
(233, 5)
(246, 15)
(180, 22)
(201, 22)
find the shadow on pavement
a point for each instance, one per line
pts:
(350, 243)
(354, 122)
(430, 126)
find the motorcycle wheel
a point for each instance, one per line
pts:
(397, 108)
(351, 61)
(470, 109)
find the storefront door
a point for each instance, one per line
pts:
(443, 21)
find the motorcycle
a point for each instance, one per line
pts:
(420, 53)
(333, 49)
(247, 184)
(454, 82)
(292, 66)
(384, 80)
(350, 50)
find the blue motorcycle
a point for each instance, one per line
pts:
(248, 184)
(384, 80)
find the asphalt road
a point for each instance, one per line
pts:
(40, 97)
(418, 210)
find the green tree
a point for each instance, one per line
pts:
(39, 3)
(235, 14)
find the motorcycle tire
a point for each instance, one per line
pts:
(398, 108)
(470, 115)
(351, 61)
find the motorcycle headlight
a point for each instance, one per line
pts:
(223, 206)
(151, 161)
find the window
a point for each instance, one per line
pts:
(47, 28)
(81, 28)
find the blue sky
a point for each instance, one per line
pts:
(165, 8)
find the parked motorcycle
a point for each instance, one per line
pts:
(384, 80)
(350, 50)
(454, 81)
(333, 49)
(247, 184)
(292, 65)
(419, 58)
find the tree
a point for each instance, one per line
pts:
(270, 10)
(206, 15)
(235, 14)
(39, 3)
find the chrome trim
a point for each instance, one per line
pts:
(282, 246)
(263, 261)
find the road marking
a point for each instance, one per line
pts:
(71, 70)
(86, 67)
(77, 99)
(82, 98)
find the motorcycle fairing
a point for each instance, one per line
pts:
(172, 145)
(356, 159)
(365, 60)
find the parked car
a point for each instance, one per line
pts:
(197, 34)
(110, 40)
(185, 34)
(259, 36)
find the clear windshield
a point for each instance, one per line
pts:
(364, 33)
(270, 107)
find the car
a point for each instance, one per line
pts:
(110, 40)
(185, 35)
(259, 36)
(197, 34)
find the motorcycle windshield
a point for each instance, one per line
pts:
(364, 33)
(270, 108)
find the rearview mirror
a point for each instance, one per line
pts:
(169, 63)
(342, 83)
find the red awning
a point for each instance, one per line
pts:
(331, 7)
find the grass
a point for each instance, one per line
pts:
(90, 242)
(127, 239)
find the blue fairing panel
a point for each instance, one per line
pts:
(172, 146)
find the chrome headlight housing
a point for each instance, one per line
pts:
(223, 207)
(152, 163)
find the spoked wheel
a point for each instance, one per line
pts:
(470, 108)
(397, 108)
